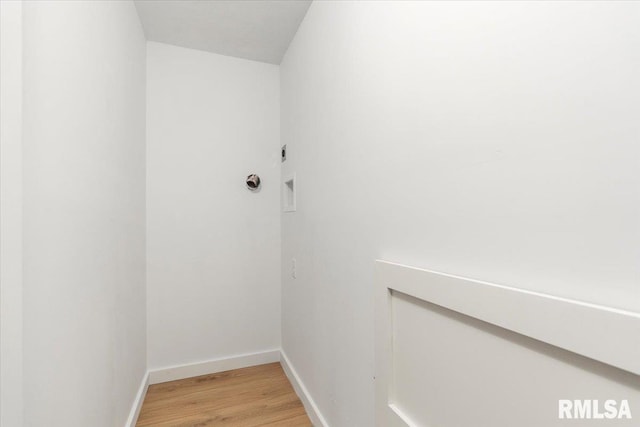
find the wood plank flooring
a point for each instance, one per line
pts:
(248, 397)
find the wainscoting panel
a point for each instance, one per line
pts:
(456, 352)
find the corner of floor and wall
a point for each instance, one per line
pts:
(491, 140)
(478, 166)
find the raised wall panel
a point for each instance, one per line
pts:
(452, 352)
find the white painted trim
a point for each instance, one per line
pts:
(402, 419)
(180, 372)
(601, 333)
(309, 404)
(598, 332)
(137, 403)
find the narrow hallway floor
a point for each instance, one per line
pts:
(249, 397)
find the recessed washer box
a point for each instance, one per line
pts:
(289, 193)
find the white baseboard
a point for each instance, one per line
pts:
(225, 364)
(179, 372)
(137, 403)
(309, 405)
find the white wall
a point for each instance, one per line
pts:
(213, 247)
(84, 212)
(10, 213)
(496, 141)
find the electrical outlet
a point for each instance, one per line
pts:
(293, 268)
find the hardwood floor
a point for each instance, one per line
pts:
(248, 397)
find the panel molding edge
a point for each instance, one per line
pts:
(601, 333)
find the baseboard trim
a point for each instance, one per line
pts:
(137, 403)
(180, 372)
(309, 404)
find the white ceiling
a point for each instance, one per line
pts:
(260, 30)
